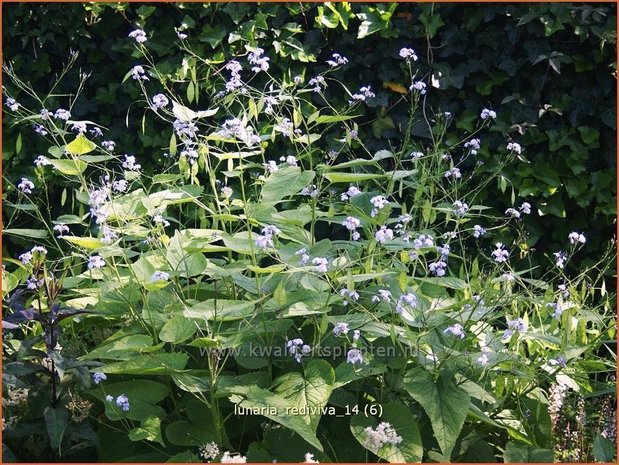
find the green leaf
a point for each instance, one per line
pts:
(351, 177)
(298, 401)
(18, 144)
(149, 430)
(405, 424)
(284, 182)
(125, 347)
(143, 396)
(186, 263)
(90, 243)
(80, 146)
(70, 167)
(148, 364)
(34, 233)
(324, 119)
(444, 402)
(56, 420)
(523, 453)
(448, 282)
(221, 310)
(198, 429)
(603, 449)
(177, 329)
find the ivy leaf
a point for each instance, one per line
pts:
(444, 402)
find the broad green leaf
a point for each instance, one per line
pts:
(298, 401)
(185, 114)
(34, 233)
(448, 282)
(80, 146)
(90, 243)
(123, 348)
(177, 329)
(56, 420)
(9, 282)
(148, 364)
(198, 429)
(187, 264)
(604, 449)
(70, 167)
(149, 430)
(221, 310)
(524, 453)
(403, 421)
(185, 456)
(286, 181)
(351, 177)
(143, 396)
(444, 402)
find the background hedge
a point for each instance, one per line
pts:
(549, 70)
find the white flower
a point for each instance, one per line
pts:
(109, 235)
(309, 458)
(514, 147)
(160, 220)
(311, 191)
(341, 329)
(96, 261)
(25, 186)
(576, 238)
(108, 145)
(561, 258)
(137, 73)
(159, 276)
(478, 231)
(42, 161)
(12, 104)
(512, 212)
(383, 434)
(525, 208)
(120, 186)
(456, 330)
(423, 241)
(383, 235)
(408, 54)
(351, 223)
(227, 458)
(130, 164)
(317, 82)
(338, 60)
(418, 86)
(485, 114)
(356, 334)
(500, 254)
(260, 62)
(226, 192)
(416, 155)
(139, 35)
(208, 451)
(350, 193)
(321, 264)
(379, 202)
(290, 160)
(353, 295)
(271, 166)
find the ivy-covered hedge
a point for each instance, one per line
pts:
(549, 71)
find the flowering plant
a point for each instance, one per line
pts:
(359, 304)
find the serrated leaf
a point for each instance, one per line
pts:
(148, 364)
(284, 182)
(177, 329)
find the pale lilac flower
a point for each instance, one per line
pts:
(438, 268)
(478, 231)
(453, 172)
(12, 104)
(317, 82)
(139, 35)
(352, 295)
(260, 63)
(350, 193)
(514, 325)
(138, 73)
(61, 229)
(96, 132)
(514, 147)
(321, 264)
(228, 458)
(290, 160)
(408, 54)
(423, 241)
(79, 127)
(109, 235)
(525, 208)
(473, 145)
(42, 161)
(409, 299)
(108, 145)
(96, 261)
(557, 309)
(109, 398)
(418, 86)
(271, 230)
(485, 114)
(383, 295)
(98, 377)
(338, 60)
(384, 434)
(310, 191)
(297, 348)
(500, 254)
(356, 334)
(444, 251)
(263, 242)
(383, 235)
(160, 220)
(576, 238)
(297, 80)
(561, 258)
(416, 155)
(33, 283)
(354, 356)
(460, 208)
(559, 361)
(62, 114)
(160, 101)
(130, 163)
(508, 276)
(309, 458)
(226, 192)
(564, 290)
(25, 258)
(379, 202)
(271, 166)
(45, 114)
(351, 223)
(159, 276)
(456, 330)
(181, 35)
(123, 402)
(40, 130)
(363, 94)
(120, 186)
(25, 186)
(341, 329)
(483, 359)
